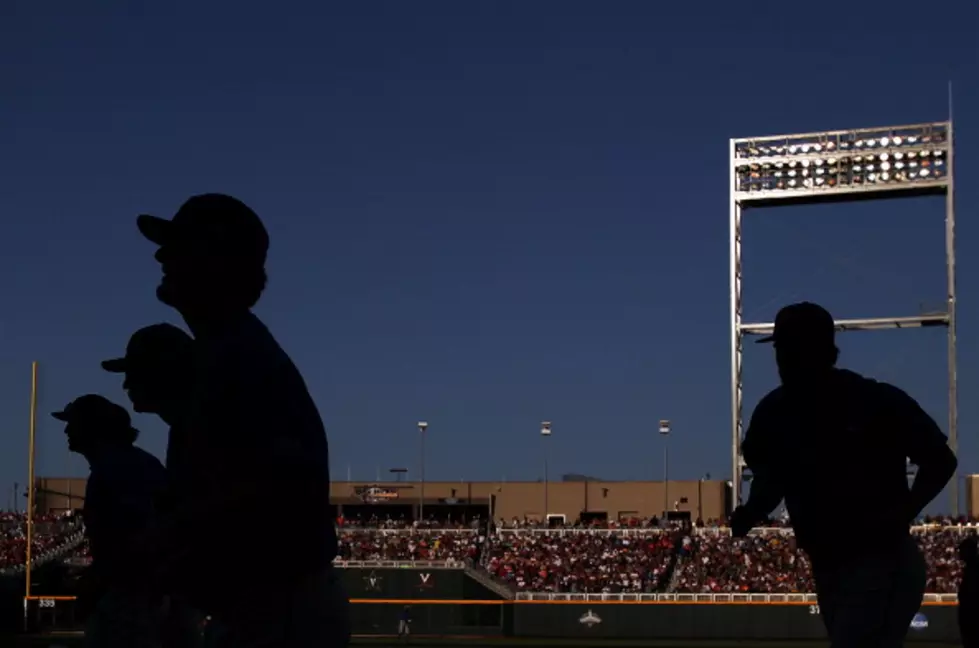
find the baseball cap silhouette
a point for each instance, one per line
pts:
(803, 323)
(218, 220)
(152, 346)
(94, 409)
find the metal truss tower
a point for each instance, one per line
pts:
(840, 166)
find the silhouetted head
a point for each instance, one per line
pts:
(805, 342)
(94, 422)
(157, 368)
(213, 256)
(969, 550)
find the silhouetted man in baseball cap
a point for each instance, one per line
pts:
(158, 369)
(213, 256)
(158, 373)
(823, 438)
(123, 488)
(251, 415)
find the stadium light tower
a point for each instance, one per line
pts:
(422, 427)
(841, 166)
(545, 433)
(664, 431)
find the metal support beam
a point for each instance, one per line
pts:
(865, 324)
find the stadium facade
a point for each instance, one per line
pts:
(562, 500)
(613, 500)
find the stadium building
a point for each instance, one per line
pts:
(563, 501)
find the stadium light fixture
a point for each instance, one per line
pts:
(840, 166)
(814, 167)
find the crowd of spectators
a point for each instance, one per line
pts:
(410, 544)
(763, 563)
(580, 562)
(625, 556)
(634, 555)
(50, 531)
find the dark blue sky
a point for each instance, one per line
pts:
(483, 214)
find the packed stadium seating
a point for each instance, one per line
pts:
(54, 536)
(640, 556)
(632, 556)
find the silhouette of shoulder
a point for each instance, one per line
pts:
(849, 411)
(917, 431)
(257, 404)
(253, 418)
(120, 498)
(126, 472)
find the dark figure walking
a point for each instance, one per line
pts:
(120, 502)
(257, 439)
(824, 438)
(158, 369)
(404, 624)
(969, 594)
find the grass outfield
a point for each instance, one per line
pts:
(72, 640)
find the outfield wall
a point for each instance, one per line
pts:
(444, 600)
(748, 621)
(433, 581)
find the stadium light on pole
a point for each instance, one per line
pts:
(422, 427)
(545, 432)
(833, 167)
(664, 431)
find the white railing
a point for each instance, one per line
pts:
(625, 533)
(407, 531)
(399, 564)
(707, 531)
(699, 598)
(925, 528)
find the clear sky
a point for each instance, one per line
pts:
(483, 214)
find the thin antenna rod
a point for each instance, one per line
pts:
(950, 100)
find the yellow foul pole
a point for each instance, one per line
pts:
(30, 477)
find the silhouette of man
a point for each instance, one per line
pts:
(123, 487)
(158, 369)
(969, 594)
(258, 442)
(824, 439)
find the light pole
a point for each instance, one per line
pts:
(700, 496)
(422, 426)
(545, 432)
(664, 431)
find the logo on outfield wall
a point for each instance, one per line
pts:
(372, 582)
(919, 622)
(590, 619)
(426, 581)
